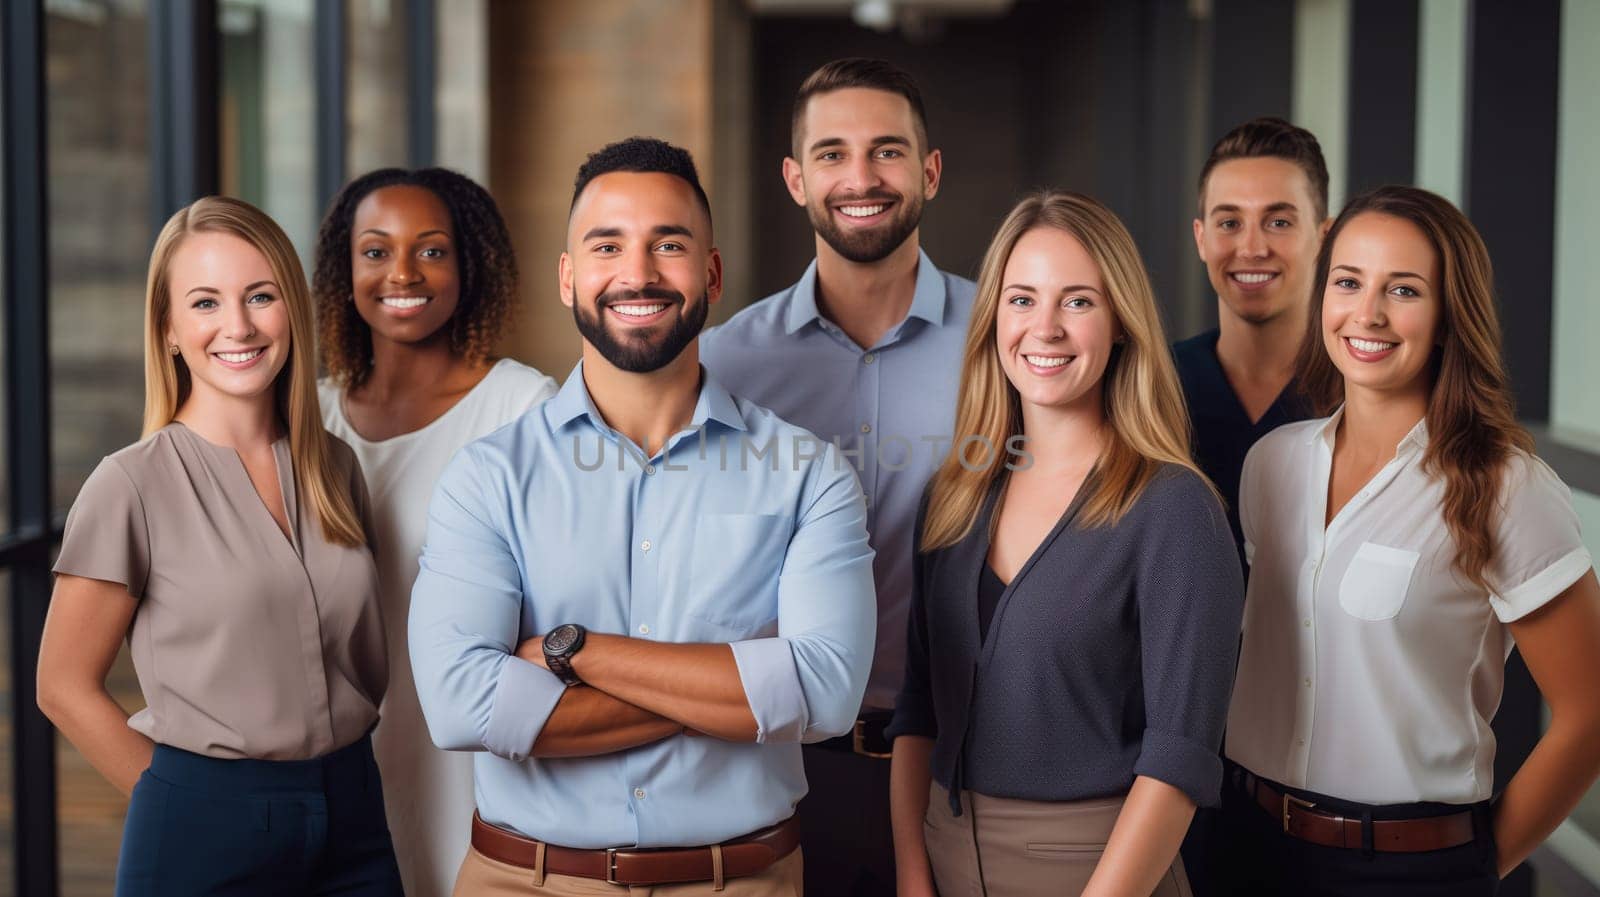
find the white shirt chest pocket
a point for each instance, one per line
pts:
(1375, 584)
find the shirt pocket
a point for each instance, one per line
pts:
(734, 563)
(1375, 584)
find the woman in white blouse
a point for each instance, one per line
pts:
(415, 282)
(1397, 549)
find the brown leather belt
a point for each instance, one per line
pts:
(1303, 820)
(748, 855)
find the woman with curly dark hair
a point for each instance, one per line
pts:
(415, 280)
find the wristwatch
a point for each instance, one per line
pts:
(559, 645)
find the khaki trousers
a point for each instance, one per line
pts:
(1001, 847)
(483, 877)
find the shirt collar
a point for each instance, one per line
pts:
(573, 401)
(928, 300)
(1415, 440)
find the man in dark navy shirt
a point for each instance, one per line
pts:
(1263, 211)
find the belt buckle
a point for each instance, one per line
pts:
(1288, 801)
(858, 742)
(611, 866)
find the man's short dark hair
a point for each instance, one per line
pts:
(641, 155)
(1271, 137)
(857, 71)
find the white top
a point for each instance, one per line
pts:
(1370, 668)
(427, 792)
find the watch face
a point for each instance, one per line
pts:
(560, 638)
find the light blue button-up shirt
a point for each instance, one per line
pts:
(890, 407)
(744, 530)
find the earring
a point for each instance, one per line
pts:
(172, 350)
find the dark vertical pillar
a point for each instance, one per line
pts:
(1252, 62)
(184, 101)
(421, 81)
(23, 291)
(1514, 75)
(1512, 106)
(331, 93)
(1383, 94)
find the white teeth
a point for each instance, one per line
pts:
(239, 357)
(1045, 361)
(861, 211)
(1253, 277)
(1370, 345)
(638, 311)
(404, 301)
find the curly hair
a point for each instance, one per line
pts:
(488, 271)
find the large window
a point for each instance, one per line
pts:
(98, 91)
(377, 115)
(267, 120)
(97, 79)
(107, 70)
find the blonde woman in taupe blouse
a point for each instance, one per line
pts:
(230, 547)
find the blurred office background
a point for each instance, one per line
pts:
(116, 112)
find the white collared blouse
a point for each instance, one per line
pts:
(1370, 668)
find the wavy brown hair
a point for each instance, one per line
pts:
(1148, 424)
(167, 382)
(488, 271)
(1471, 416)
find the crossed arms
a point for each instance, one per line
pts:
(484, 687)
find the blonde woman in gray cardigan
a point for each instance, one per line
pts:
(1077, 596)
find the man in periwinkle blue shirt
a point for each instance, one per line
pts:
(865, 351)
(699, 571)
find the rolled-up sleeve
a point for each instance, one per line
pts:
(465, 620)
(806, 684)
(1190, 598)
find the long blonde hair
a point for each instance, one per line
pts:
(167, 383)
(1148, 423)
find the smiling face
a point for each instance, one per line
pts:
(860, 173)
(403, 269)
(1259, 236)
(227, 317)
(640, 271)
(1054, 328)
(1381, 306)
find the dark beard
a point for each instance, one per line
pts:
(865, 247)
(638, 355)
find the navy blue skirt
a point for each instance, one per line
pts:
(199, 825)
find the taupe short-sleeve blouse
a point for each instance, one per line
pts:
(247, 643)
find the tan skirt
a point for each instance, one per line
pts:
(1001, 847)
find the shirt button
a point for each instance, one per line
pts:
(1300, 742)
(644, 628)
(639, 793)
(649, 469)
(868, 358)
(1307, 623)
(1308, 682)
(645, 545)
(866, 428)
